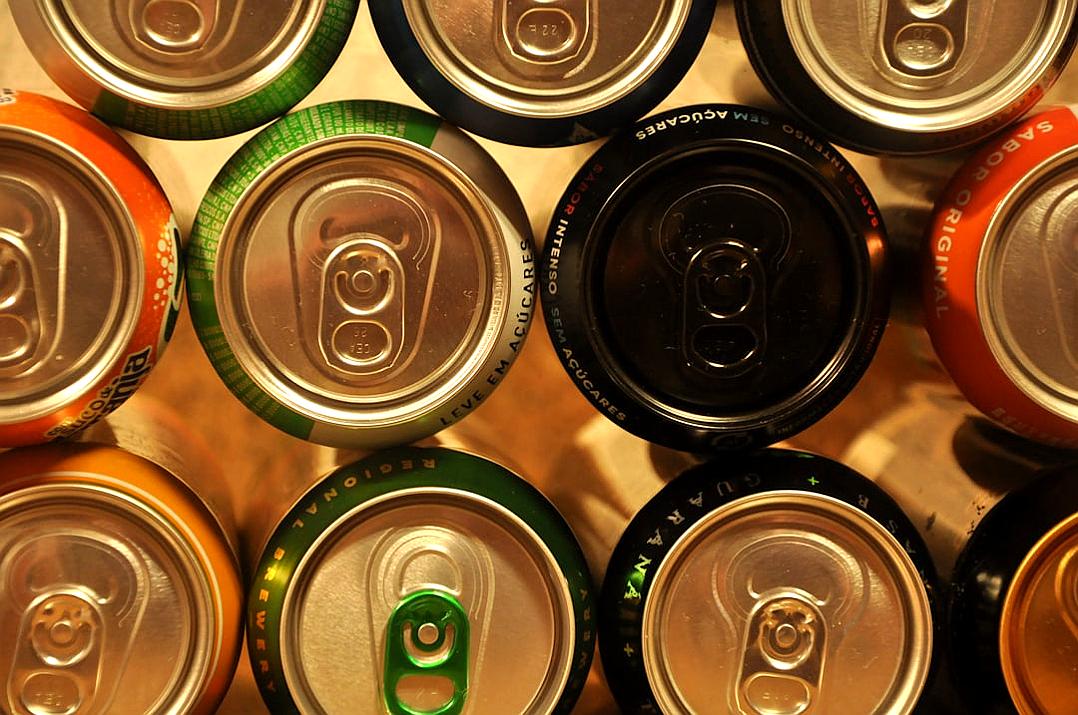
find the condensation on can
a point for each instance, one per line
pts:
(186, 69)
(90, 275)
(362, 274)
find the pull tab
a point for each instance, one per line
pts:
(21, 319)
(924, 38)
(173, 26)
(545, 34)
(1066, 590)
(783, 661)
(1059, 241)
(427, 636)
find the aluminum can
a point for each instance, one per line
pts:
(908, 76)
(542, 72)
(361, 274)
(1000, 272)
(774, 581)
(452, 585)
(715, 277)
(90, 275)
(120, 589)
(1013, 609)
(186, 69)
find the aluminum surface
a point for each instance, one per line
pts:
(555, 58)
(929, 65)
(71, 275)
(105, 604)
(1027, 286)
(186, 54)
(787, 603)
(391, 251)
(1039, 629)
(520, 613)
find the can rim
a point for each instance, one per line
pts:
(202, 657)
(564, 624)
(1016, 603)
(88, 58)
(130, 262)
(906, 575)
(1057, 400)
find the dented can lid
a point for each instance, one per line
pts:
(365, 274)
(453, 585)
(542, 73)
(908, 76)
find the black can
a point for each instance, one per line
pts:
(542, 72)
(1012, 610)
(715, 277)
(774, 581)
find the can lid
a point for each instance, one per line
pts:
(787, 600)
(70, 275)
(105, 604)
(1039, 627)
(1027, 287)
(183, 54)
(465, 605)
(559, 58)
(360, 280)
(927, 66)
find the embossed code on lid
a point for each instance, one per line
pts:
(787, 603)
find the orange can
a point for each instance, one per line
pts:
(1001, 286)
(120, 589)
(90, 275)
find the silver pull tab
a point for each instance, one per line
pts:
(174, 26)
(1059, 242)
(924, 38)
(541, 37)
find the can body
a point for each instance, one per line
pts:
(362, 274)
(542, 73)
(754, 584)
(715, 277)
(999, 277)
(908, 78)
(121, 585)
(186, 69)
(1011, 608)
(421, 542)
(92, 282)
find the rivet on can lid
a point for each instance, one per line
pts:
(1038, 635)
(785, 602)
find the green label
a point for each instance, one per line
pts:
(271, 101)
(261, 153)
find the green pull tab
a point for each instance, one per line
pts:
(416, 646)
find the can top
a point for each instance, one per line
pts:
(183, 54)
(551, 59)
(361, 280)
(1027, 287)
(105, 603)
(502, 584)
(932, 65)
(792, 598)
(1039, 628)
(70, 276)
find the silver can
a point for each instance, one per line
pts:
(186, 69)
(542, 72)
(908, 76)
(363, 274)
(120, 589)
(419, 580)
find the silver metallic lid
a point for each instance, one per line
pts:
(1027, 287)
(182, 54)
(784, 603)
(71, 280)
(103, 606)
(556, 58)
(928, 65)
(363, 280)
(351, 584)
